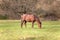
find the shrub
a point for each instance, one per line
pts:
(4, 16)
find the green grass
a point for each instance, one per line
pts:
(11, 30)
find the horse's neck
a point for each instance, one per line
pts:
(38, 20)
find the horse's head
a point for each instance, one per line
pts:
(38, 21)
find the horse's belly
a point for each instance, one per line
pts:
(29, 20)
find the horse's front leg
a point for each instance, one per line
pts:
(40, 24)
(32, 24)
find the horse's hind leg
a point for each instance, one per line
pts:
(22, 23)
(25, 23)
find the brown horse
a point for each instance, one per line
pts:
(30, 18)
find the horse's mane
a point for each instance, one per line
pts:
(37, 18)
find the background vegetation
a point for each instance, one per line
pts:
(45, 9)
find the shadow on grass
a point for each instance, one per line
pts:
(35, 38)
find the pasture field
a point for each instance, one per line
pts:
(11, 30)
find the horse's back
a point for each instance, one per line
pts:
(28, 17)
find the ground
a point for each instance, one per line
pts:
(11, 30)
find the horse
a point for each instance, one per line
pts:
(30, 18)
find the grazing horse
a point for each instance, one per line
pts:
(30, 18)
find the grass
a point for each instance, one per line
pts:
(11, 30)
